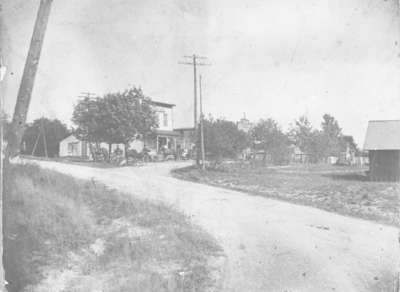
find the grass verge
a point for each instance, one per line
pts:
(63, 234)
(340, 189)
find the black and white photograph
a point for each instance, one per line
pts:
(200, 145)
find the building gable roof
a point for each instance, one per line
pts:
(162, 104)
(383, 135)
(69, 138)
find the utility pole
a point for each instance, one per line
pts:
(2, 121)
(194, 62)
(203, 154)
(44, 137)
(28, 79)
(42, 132)
(35, 145)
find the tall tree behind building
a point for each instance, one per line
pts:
(54, 131)
(331, 136)
(269, 137)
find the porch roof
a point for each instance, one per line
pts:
(166, 133)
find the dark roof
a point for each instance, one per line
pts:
(162, 104)
(184, 129)
(383, 135)
(166, 133)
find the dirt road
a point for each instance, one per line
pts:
(270, 245)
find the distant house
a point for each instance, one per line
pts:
(71, 146)
(244, 125)
(383, 144)
(163, 139)
(298, 156)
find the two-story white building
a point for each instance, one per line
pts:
(164, 137)
(162, 140)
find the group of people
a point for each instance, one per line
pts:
(178, 154)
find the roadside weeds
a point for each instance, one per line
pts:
(64, 234)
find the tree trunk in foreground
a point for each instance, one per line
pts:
(28, 80)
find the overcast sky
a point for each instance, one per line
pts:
(270, 58)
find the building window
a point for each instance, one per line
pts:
(73, 148)
(165, 119)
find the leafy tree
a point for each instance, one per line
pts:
(54, 131)
(302, 134)
(115, 118)
(348, 141)
(308, 139)
(89, 122)
(331, 135)
(127, 115)
(268, 136)
(223, 139)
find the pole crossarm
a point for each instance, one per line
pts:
(87, 95)
(197, 64)
(197, 57)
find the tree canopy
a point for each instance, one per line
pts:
(114, 118)
(268, 136)
(54, 131)
(321, 143)
(223, 139)
(331, 136)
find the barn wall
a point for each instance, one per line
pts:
(384, 165)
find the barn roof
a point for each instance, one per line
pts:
(383, 135)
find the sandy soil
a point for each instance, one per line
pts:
(270, 245)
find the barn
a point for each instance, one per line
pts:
(383, 144)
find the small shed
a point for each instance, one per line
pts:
(383, 144)
(73, 147)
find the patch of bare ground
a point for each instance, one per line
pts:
(63, 234)
(340, 189)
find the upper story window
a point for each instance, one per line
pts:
(165, 119)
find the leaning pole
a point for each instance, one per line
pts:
(22, 103)
(28, 79)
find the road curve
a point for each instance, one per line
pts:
(270, 245)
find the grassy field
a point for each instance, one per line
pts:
(340, 189)
(63, 234)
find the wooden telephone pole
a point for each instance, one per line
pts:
(28, 79)
(23, 101)
(195, 62)
(2, 116)
(203, 154)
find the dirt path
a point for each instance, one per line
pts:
(270, 245)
